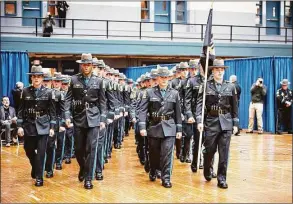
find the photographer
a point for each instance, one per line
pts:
(284, 104)
(48, 25)
(16, 93)
(258, 91)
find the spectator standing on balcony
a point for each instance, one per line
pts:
(62, 7)
(48, 25)
(258, 92)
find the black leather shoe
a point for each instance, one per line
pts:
(106, 160)
(182, 159)
(142, 161)
(58, 167)
(200, 166)
(147, 167)
(214, 175)
(81, 175)
(88, 184)
(290, 132)
(158, 173)
(33, 174)
(67, 161)
(49, 174)
(249, 132)
(152, 176)
(188, 160)
(115, 146)
(207, 174)
(222, 184)
(177, 156)
(193, 168)
(39, 182)
(167, 184)
(99, 176)
(119, 146)
(73, 156)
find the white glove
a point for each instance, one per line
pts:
(121, 114)
(116, 117)
(191, 120)
(143, 133)
(288, 103)
(61, 129)
(134, 120)
(125, 114)
(51, 133)
(182, 117)
(200, 127)
(178, 135)
(109, 120)
(20, 132)
(102, 125)
(235, 130)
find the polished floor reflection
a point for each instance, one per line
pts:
(260, 170)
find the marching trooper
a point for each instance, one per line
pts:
(86, 96)
(36, 121)
(165, 123)
(220, 121)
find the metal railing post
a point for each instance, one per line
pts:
(72, 31)
(258, 34)
(171, 31)
(201, 32)
(286, 35)
(231, 30)
(140, 30)
(107, 29)
(36, 27)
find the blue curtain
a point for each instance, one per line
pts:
(14, 66)
(135, 72)
(271, 69)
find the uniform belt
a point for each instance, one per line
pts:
(217, 112)
(37, 114)
(160, 118)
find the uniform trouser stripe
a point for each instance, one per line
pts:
(63, 147)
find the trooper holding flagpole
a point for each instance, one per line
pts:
(219, 99)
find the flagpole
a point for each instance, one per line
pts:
(203, 103)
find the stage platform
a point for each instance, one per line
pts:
(260, 171)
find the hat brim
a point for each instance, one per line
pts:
(84, 61)
(285, 84)
(164, 75)
(47, 79)
(36, 73)
(219, 66)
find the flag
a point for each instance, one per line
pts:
(208, 42)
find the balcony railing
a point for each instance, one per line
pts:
(140, 30)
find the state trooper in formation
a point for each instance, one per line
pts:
(69, 140)
(187, 125)
(284, 104)
(86, 96)
(127, 101)
(175, 83)
(195, 81)
(111, 102)
(55, 155)
(165, 123)
(36, 121)
(220, 121)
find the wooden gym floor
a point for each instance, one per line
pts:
(260, 170)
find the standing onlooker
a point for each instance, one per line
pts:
(7, 119)
(48, 25)
(258, 91)
(62, 7)
(233, 79)
(16, 93)
(284, 104)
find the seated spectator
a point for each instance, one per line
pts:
(8, 120)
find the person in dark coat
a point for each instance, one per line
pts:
(162, 103)
(62, 8)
